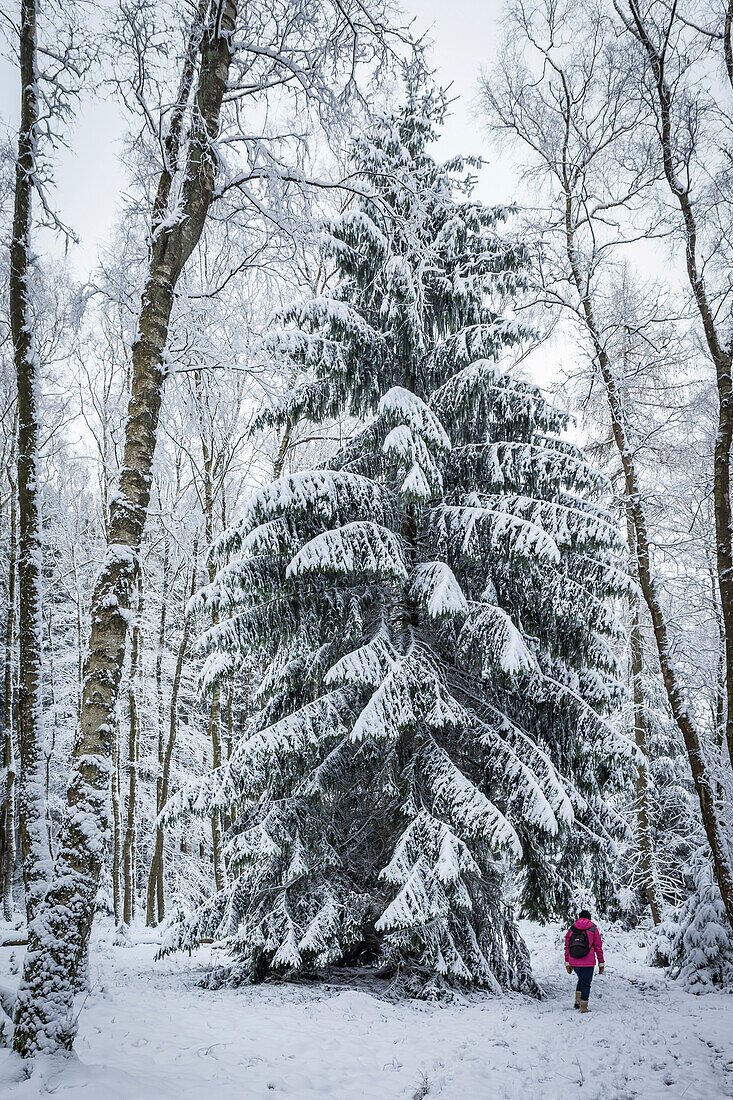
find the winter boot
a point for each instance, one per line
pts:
(577, 999)
(584, 1006)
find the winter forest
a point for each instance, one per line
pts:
(366, 548)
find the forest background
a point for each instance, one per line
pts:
(629, 302)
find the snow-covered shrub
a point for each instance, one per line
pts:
(696, 940)
(431, 608)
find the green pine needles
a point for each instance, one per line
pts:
(431, 609)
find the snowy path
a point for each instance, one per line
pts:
(148, 1033)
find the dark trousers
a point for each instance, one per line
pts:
(585, 977)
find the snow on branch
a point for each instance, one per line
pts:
(434, 585)
(473, 525)
(458, 799)
(331, 496)
(490, 636)
(361, 547)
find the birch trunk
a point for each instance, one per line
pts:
(159, 885)
(209, 460)
(160, 709)
(642, 775)
(640, 736)
(230, 720)
(31, 798)
(279, 462)
(220, 876)
(9, 854)
(58, 938)
(155, 878)
(116, 830)
(133, 755)
(721, 695)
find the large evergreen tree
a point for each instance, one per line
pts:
(431, 608)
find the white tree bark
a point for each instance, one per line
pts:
(32, 784)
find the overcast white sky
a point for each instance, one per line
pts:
(464, 35)
(463, 32)
(90, 176)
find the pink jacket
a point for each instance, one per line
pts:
(596, 947)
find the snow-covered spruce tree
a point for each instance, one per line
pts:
(431, 609)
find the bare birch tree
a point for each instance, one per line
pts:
(31, 800)
(52, 63)
(674, 42)
(572, 106)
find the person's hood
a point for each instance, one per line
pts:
(583, 923)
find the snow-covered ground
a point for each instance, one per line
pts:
(147, 1032)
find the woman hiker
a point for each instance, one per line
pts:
(582, 947)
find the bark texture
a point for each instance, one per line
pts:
(58, 939)
(133, 758)
(8, 853)
(31, 787)
(642, 776)
(209, 462)
(155, 896)
(157, 866)
(643, 828)
(116, 830)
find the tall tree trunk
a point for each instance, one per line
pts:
(79, 636)
(721, 694)
(50, 744)
(116, 829)
(159, 884)
(640, 736)
(9, 854)
(155, 878)
(58, 940)
(642, 775)
(31, 801)
(133, 755)
(207, 449)
(681, 711)
(160, 717)
(228, 745)
(220, 875)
